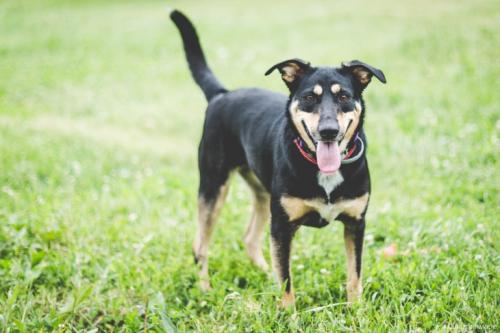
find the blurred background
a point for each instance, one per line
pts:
(99, 126)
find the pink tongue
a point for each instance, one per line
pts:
(328, 156)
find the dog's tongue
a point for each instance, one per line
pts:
(328, 156)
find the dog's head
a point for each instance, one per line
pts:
(326, 104)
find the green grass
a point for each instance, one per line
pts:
(99, 124)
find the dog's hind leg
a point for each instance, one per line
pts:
(212, 193)
(260, 217)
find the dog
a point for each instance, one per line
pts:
(304, 157)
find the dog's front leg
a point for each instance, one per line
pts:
(354, 231)
(282, 232)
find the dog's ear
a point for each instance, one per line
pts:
(292, 71)
(363, 72)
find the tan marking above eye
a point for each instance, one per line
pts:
(318, 90)
(335, 88)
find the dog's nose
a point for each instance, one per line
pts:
(328, 133)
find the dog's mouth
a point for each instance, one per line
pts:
(328, 154)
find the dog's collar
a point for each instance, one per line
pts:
(349, 155)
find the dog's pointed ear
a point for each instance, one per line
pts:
(291, 70)
(363, 72)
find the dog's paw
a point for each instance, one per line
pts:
(287, 301)
(205, 285)
(256, 256)
(260, 262)
(354, 293)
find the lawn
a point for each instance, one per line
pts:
(99, 126)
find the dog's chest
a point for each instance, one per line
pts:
(328, 211)
(329, 182)
(298, 207)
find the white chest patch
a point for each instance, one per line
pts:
(327, 211)
(295, 207)
(330, 182)
(352, 207)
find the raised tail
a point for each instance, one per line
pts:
(202, 74)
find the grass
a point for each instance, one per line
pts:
(99, 124)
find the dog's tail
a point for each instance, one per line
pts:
(202, 74)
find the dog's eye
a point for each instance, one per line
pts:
(310, 98)
(343, 98)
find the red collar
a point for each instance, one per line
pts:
(310, 156)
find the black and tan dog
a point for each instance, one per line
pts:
(303, 157)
